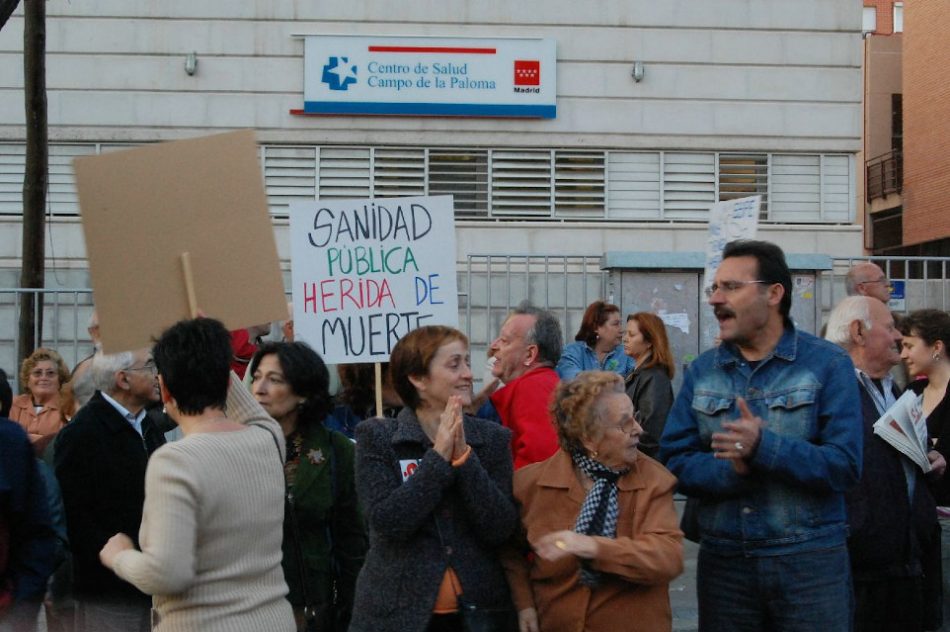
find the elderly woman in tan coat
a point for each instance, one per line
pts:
(42, 377)
(599, 517)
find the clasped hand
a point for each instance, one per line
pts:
(450, 437)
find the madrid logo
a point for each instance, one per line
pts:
(339, 73)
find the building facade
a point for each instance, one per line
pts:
(736, 98)
(907, 134)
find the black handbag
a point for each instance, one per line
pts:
(475, 619)
(689, 523)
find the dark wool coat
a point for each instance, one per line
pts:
(397, 587)
(100, 463)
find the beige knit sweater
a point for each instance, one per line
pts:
(212, 527)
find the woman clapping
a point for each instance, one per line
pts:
(436, 489)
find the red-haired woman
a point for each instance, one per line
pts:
(648, 385)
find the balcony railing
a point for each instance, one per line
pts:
(885, 174)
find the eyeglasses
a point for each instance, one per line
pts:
(42, 373)
(148, 367)
(885, 281)
(630, 425)
(728, 287)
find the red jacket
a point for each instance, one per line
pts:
(523, 405)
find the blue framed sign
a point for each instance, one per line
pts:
(426, 76)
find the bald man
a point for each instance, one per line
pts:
(867, 279)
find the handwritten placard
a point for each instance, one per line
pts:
(367, 272)
(728, 221)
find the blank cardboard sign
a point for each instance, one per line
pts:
(143, 208)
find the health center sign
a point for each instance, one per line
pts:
(367, 272)
(423, 76)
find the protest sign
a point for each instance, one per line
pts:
(728, 221)
(366, 272)
(153, 213)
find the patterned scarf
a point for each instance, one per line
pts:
(598, 515)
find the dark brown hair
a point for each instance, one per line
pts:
(930, 325)
(595, 315)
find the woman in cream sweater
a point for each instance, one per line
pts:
(214, 501)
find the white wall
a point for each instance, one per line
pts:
(719, 74)
(768, 75)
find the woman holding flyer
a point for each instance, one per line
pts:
(924, 352)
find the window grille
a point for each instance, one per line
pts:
(689, 185)
(744, 175)
(344, 172)
(290, 175)
(399, 172)
(579, 187)
(521, 182)
(463, 174)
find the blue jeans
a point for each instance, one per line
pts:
(799, 592)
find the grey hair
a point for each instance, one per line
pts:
(846, 312)
(105, 366)
(545, 332)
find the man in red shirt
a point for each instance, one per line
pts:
(526, 351)
(244, 344)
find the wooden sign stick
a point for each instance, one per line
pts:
(379, 389)
(189, 284)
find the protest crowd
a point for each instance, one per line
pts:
(216, 482)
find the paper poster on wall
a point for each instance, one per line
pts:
(728, 221)
(366, 272)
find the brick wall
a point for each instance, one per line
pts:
(926, 77)
(885, 15)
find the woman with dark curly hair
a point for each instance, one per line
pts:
(324, 538)
(599, 517)
(597, 345)
(436, 488)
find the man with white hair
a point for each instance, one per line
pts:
(100, 461)
(894, 536)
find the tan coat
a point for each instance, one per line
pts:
(639, 563)
(38, 425)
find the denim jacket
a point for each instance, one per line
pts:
(577, 357)
(809, 453)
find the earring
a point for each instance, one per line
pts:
(593, 454)
(936, 356)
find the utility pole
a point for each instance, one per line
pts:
(36, 176)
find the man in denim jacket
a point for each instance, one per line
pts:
(766, 432)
